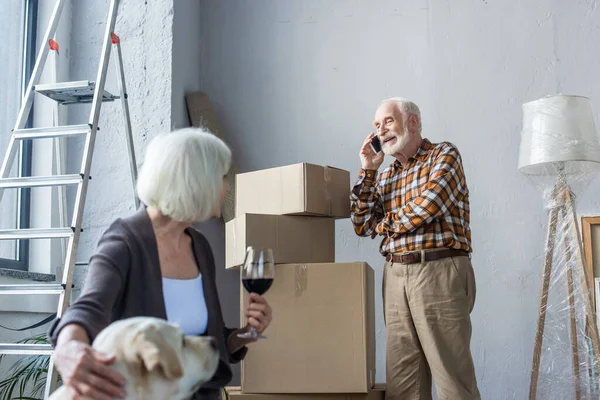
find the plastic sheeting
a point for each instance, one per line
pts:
(560, 153)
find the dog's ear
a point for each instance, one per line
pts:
(155, 352)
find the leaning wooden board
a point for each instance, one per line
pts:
(203, 114)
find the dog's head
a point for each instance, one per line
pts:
(159, 353)
(199, 367)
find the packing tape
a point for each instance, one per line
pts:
(301, 281)
(327, 178)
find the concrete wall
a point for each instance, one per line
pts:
(162, 55)
(146, 36)
(299, 81)
(161, 51)
(147, 39)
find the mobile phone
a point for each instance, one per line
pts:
(376, 144)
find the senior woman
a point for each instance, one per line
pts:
(154, 263)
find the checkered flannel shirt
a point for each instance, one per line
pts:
(421, 205)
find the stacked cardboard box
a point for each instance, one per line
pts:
(376, 393)
(321, 342)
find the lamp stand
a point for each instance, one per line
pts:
(564, 206)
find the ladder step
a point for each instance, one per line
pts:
(55, 131)
(45, 233)
(32, 288)
(21, 348)
(72, 92)
(37, 181)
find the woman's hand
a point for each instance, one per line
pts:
(259, 313)
(85, 371)
(259, 316)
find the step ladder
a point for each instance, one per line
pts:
(64, 93)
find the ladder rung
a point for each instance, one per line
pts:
(72, 92)
(46, 233)
(33, 288)
(55, 131)
(21, 348)
(36, 181)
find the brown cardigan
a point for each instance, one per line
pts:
(124, 280)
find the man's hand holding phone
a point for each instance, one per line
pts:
(370, 158)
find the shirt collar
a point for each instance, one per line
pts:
(421, 154)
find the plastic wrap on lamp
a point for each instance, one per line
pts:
(560, 153)
(558, 129)
(567, 364)
(559, 140)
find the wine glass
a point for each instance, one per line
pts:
(257, 277)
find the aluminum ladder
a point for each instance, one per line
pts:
(64, 93)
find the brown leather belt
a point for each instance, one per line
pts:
(415, 256)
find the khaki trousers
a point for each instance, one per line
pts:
(427, 313)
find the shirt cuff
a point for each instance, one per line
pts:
(368, 175)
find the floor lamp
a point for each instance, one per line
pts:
(559, 151)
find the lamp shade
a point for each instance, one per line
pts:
(558, 129)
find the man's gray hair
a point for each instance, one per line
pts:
(406, 107)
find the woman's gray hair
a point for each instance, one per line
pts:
(182, 174)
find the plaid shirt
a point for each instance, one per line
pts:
(421, 205)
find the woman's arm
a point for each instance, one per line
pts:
(72, 332)
(104, 284)
(85, 371)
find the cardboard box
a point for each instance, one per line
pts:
(292, 239)
(378, 393)
(322, 337)
(299, 189)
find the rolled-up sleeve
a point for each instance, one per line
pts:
(366, 208)
(104, 283)
(239, 355)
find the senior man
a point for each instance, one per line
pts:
(420, 206)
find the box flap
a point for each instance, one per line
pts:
(291, 189)
(270, 191)
(235, 239)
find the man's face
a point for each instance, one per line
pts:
(392, 131)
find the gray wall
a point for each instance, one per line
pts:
(299, 81)
(187, 64)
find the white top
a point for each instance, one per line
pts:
(186, 305)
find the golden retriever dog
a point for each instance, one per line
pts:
(156, 359)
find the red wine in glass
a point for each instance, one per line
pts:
(257, 277)
(258, 286)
